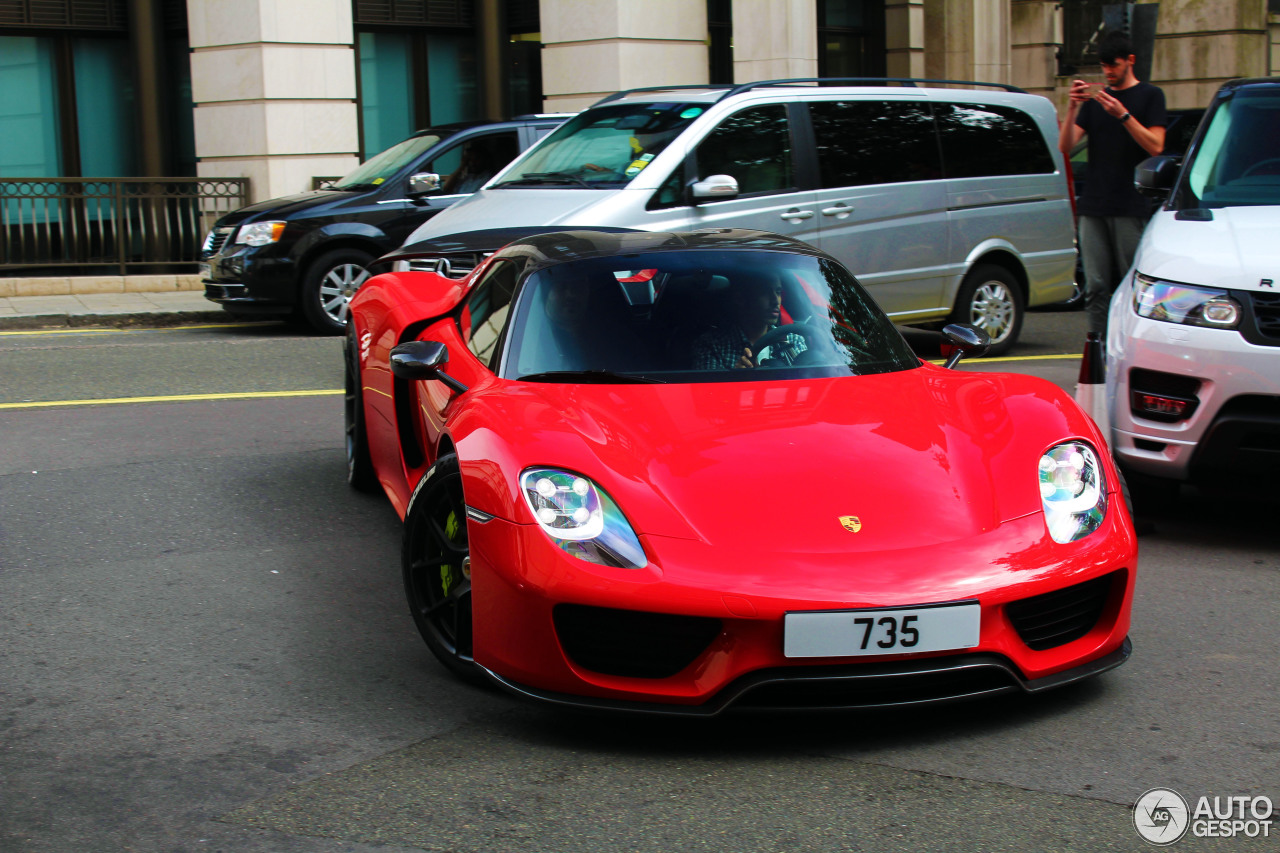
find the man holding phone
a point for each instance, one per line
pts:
(1124, 124)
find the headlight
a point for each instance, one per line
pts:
(260, 233)
(1073, 491)
(1183, 303)
(581, 518)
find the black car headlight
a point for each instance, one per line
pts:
(581, 518)
(1072, 491)
(1185, 304)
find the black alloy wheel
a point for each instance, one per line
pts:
(360, 473)
(437, 566)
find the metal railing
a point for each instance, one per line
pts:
(128, 224)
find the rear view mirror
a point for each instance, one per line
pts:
(1154, 176)
(714, 187)
(423, 183)
(964, 339)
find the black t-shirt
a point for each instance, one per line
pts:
(1108, 187)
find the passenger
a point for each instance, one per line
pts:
(755, 309)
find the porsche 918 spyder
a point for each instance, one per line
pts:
(678, 473)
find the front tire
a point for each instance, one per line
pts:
(437, 567)
(327, 288)
(991, 299)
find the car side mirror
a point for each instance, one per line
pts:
(423, 360)
(1154, 176)
(713, 188)
(964, 340)
(423, 183)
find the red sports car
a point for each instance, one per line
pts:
(681, 472)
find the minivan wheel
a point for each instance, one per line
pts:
(990, 299)
(328, 286)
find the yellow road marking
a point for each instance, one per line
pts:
(1062, 357)
(94, 330)
(179, 398)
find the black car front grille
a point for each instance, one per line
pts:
(1266, 314)
(1062, 616)
(632, 643)
(879, 686)
(216, 239)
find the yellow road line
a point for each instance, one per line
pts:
(179, 398)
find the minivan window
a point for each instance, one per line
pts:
(874, 142)
(985, 140)
(1236, 162)
(752, 146)
(378, 168)
(604, 147)
(466, 167)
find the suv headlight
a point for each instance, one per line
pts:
(1072, 491)
(260, 233)
(1171, 302)
(581, 518)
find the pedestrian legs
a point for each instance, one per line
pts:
(1107, 247)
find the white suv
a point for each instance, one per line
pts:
(1193, 341)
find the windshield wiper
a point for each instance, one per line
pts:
(600, 376)
(546, 178)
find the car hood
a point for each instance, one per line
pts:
(512, 207)
(1236, 249)
(918, 457)
(279, 208)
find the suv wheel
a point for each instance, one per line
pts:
(990, 299)
(328, 286)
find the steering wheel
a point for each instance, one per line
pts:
(771, 338)
(1271, 161)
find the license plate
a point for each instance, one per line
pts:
(891, 631)
(204, 271)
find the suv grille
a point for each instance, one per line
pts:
(1266, 313)
(454, 266)
(1062, 616)
(631, 643)
(214, 242)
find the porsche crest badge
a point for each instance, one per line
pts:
(851, 523)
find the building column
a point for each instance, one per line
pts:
(274, 87)
(592, 48)
(1036, 28)
(146, 39)
(968, 40)
(774, 39)
(904, 38)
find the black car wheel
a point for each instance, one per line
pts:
(360, 473)
(437, 566)
(990, 299)
(327, 288)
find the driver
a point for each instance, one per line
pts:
(756, 309)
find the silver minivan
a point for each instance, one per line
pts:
(949, 204)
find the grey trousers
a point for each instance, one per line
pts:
(1107, 247)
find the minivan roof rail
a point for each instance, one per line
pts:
(732, 89)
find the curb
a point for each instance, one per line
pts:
(161, 319)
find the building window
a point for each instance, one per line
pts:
(720, 40)
(851, 38)
(1082, 27)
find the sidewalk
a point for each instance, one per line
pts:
(72, 302)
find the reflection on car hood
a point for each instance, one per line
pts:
(511, 207)
(1236, 249)
(920, 457)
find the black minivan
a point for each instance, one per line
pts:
(305, 255)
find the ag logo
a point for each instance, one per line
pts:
(851, 523)
(1161, 816)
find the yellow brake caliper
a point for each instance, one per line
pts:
(451, 528)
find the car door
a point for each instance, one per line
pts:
(755, 146)
(881, 199)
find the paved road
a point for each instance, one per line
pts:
(204, 647)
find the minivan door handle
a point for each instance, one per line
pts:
(839, 211)
(795, 214)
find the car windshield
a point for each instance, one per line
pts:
(698, 316)
(1238, 159)
(604, 147)
(378, 168)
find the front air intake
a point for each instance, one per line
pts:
(1062, 616)
(630, 642)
